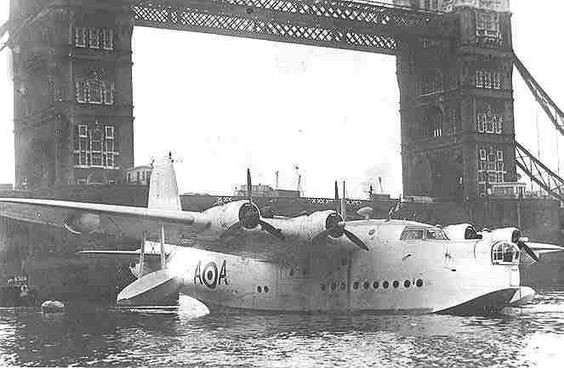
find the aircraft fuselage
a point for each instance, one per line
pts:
(421, 276)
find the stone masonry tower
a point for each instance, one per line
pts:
(458, 133)
(73, 113)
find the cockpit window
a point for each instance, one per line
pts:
(423, 234)
(470, 233)
(435, 234)
(412, 234)
(504, 253)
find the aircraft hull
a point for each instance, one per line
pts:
(379, 281)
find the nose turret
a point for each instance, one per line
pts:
(505, 253)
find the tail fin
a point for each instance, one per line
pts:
(163, 189)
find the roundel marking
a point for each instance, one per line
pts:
(210, 275)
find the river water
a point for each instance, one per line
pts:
(100, 336)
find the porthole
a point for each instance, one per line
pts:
(396, 284)
(343, 286)
(356, 285)
(419, 283)
(386, 284)
(366, 284)
(266, 289)
(259, 289)
(371, 232)
(333, 286)
(323, 287)
(407, 283)
(375, 284)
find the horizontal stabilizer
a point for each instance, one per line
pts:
(153, 287)
(116, 254)
(542, 248)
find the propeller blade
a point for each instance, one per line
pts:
(353, 238)
(338, 208)
(320, 236)
(271, 229)
(344, 203)
(530, 252)
(155, 286)
(234, 227)
(249, 186)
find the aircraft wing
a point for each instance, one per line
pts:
(211, 230)
(87, 218)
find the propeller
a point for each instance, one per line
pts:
(522, 244)
(335, 224)
(250, 217)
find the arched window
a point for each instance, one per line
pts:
(505, 253)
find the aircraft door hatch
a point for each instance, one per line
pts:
(448, 259)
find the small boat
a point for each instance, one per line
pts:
(52, 307)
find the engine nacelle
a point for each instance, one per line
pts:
(308, 227)
(508, 234)
(82, 223)
(223, 217)
(462, 232)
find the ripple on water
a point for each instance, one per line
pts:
(189, 336)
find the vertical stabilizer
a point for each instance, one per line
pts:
(163, 189)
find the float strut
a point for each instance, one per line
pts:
(163, 256)
(142, 257)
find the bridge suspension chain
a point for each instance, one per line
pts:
(538, 172)
(554, 113)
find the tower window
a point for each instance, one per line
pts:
(431, 4)
(109, 130)
(433, 124)
(431, 82)
(107, 39)
(94, 91)
(108, 92)
(80, 37)
(488, 24)
(491, 168)
(94, 38)
(489, 121)
(82, 130)
(488, 79)
(81, 91)
(96, 146)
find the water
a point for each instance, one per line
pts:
(96, 336)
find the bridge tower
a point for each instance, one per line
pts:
(457, 125)
(73, 109)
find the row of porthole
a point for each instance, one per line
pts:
(366, 285)
(260, 289)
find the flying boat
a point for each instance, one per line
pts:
(231, 257)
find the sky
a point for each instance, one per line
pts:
(223, 104)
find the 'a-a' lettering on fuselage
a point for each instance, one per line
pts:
(210, 275)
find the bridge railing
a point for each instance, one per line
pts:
(355, 25)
